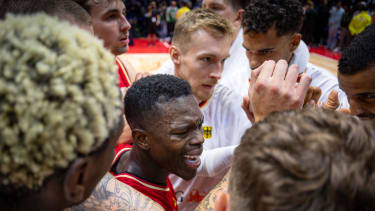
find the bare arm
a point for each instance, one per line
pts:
(208, 203)
(111, 194)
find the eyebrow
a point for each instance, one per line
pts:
(261, 50)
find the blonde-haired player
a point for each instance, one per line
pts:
(60, 113)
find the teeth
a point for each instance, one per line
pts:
(191, 157)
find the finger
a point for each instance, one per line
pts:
(267, 70)
(246, 107)
(333, 101)
(344, 110)
(308, 96)
(303, 86)
(255, 74)
(292, 75)
(280, 71)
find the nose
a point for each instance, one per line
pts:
(198, 138)
(355, 107)
(255, 61)
(216, 73)
(124, 24)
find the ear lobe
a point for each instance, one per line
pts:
(141, 139)
(296, 39)
(174, 53)
(74, 181)
(222, 202)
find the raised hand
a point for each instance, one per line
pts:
(274, 87)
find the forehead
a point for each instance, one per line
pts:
(270, 39)
(360, 82)
(222, 2)
(184, 108)
(100, 7)
(203, 42)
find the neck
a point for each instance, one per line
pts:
(141, 164)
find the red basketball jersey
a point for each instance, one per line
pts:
(123, 76)
(163, 195)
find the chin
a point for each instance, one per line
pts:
(188, 175)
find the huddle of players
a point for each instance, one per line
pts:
(61, 112)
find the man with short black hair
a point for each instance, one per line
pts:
(271, 32)
(166, 125)
(356, 74)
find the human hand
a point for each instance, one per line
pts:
(333, 103)
(274, 87)
(312, 97)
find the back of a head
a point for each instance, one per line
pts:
(359, 55)
(310, 160)
(65, 9)
(143, 96)
(57, 103)
(200, 19)
(261, 15)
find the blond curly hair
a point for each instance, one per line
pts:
(59, 98)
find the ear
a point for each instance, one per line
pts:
(296, 39)
(222, 202)
(75, 179)
(175, 54)
(239, 17)
(141, 139)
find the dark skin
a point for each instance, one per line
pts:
(360, 90)
(76, 183)
(159, 148)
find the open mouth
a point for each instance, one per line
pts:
(193, 161)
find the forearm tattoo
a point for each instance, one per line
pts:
(208, 203)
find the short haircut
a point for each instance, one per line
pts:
(200, 19)
(63, 9)
(59, 100)
(262, 15)
(359, 55)
(310, 160)
(143, 97)
(237, 4)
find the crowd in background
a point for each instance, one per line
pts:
(328, 23)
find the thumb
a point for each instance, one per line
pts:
(333, 101)
(344, 110)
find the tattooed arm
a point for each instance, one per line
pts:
(111, 194)
(208, 203)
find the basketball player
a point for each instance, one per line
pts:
(53, 152)
(313, 160)
(272, 34)
(167, 138)
(356, 74)
(200, 46)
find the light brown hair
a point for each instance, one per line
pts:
(310, 160)
(200, 19)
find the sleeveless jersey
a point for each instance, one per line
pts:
(163, 195)
(123, 76)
